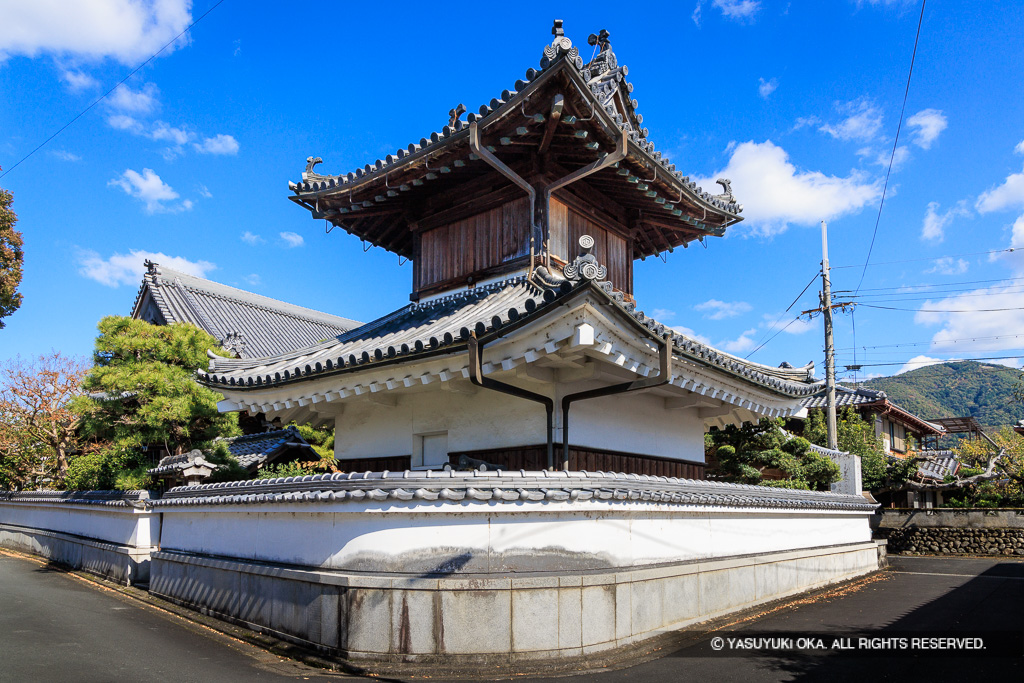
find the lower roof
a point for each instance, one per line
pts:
(444, 325)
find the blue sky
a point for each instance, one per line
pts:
(796, 102)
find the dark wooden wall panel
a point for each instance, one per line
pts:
(393, 463)
(478, 243)
(535, 458)
(612, 251)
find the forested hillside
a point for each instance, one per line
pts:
(983, 391)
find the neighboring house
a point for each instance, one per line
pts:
(522, 224)
(251, 451)
(898, 428)
(246, 324)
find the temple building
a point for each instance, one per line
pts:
(523, 346)
(246, 324)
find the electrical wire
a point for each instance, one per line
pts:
(938, 310)
(934, 284)
(788, 308)
(118, 85)
(895, 143)
(951, 360)
(926, 343)
(932, 258)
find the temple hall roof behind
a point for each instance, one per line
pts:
(247, 324)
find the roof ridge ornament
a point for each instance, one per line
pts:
(309, 174)
(585, 266)
(726, 196)
(558, 47)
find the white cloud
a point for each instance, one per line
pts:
(719, 310)
(863, 121)
(1019, 149)
(142, 101)
(928, 124)
(935, 223)
(1009, 195)
(739, 10)
(777, 194)
(766, 88)
(989, 316)
(253, 279)
(947, 265)
(919, 362)
(744, 342)
(125, 30)
(250, 238)
(78, 80)
(204, 191)
(149, 188)
(662, 314)
(125, 122)
(696, 13)
(786, 323)
(64, 155)
(292, 239)
(219, 144)
(898, 157)
(164, 132)
(127, 269)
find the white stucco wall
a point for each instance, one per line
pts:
(119, 525)
(524, 536)
(630, 423)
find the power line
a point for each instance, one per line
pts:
(930, 362)
(895, 142)
(946, 295)
(932, 258)
(937, 310)
(934, 284)
(929, 342)
(118, 85)
(772, 326)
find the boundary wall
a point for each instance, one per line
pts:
(109, 533)
(487, 568)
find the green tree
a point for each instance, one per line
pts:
(744, 454)
(143, 393)
(857, 435)
(11, 258)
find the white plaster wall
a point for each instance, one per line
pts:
(491, 537)
(637, 423)
(123, 526)
(484, 419)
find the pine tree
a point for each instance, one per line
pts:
(142, 394)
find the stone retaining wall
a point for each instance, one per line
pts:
(954, 541)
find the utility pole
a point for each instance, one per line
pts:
(830, 357)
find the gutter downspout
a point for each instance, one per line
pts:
(476, 376)
(500, 167)
(663, 377)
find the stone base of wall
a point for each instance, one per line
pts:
(954, 541)
(118, 563)
(492, 620)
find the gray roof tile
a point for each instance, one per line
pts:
(247, 324)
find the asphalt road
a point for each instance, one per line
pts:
(57, 627)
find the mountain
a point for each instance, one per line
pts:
(981, 390)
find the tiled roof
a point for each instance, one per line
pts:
(444, 324)
(941, 464)
(846, 397)
(181, 461)
(247, 324)
(253, 449)
(604, 85)
(506, 488)
(878, 400)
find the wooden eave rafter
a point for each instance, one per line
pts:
(377, 206)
